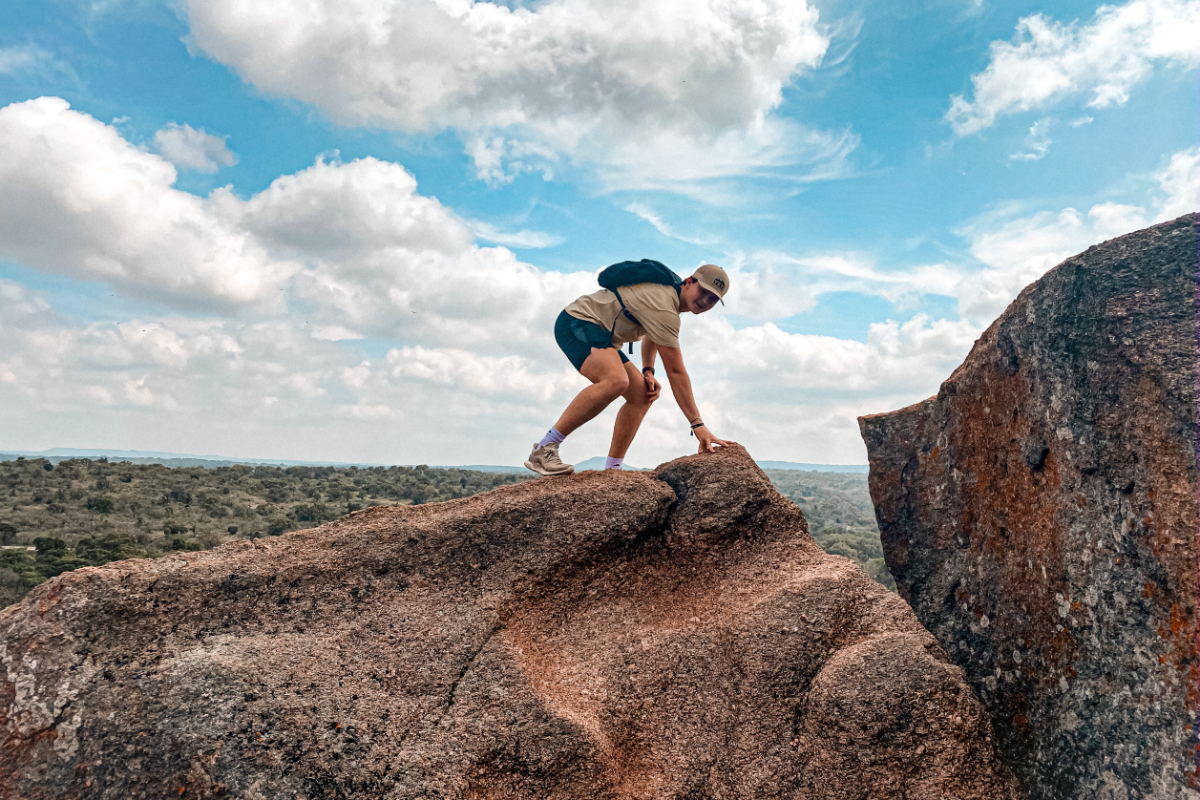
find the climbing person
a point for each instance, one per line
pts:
(641, 302)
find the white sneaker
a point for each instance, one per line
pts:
(545, 461)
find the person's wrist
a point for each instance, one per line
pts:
(647, 369)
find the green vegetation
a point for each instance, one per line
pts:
(840, 515)
(80, 513)
(77, 513)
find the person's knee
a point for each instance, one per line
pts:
(614, 385)
(640, 397)
(618, 385)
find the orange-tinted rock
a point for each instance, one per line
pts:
(605, 635)
(1040, 515)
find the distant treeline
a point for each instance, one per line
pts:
(840, 515)
(80, 512)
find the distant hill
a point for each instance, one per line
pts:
(597, 462)
(56, 454)
(481, 467)
(863, 468)
(182, 462)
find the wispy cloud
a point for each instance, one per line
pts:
(778, 150)
(644, 212)
(774, 286)
(32, 62)
(523, 239)
(1037, 142)
(22, 59)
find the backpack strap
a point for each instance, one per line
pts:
(629, 316)
(625, 311)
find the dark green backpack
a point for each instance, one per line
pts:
(630, 273)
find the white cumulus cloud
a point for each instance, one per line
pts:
(286, 280)
(270, 389)
(79, 200)
(1180, 180)
(352, 248)
(1105, 58)
(379, 258)
(1018, 249)
(17, 301)
(782, 393)
(188, 148)
(621, 82)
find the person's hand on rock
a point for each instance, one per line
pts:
(708, 442)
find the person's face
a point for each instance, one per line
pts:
(698, 298)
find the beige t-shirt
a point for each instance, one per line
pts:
(655, 305)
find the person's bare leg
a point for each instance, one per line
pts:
(629, 418)
(609, 381)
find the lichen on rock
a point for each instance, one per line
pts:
(1040, 515)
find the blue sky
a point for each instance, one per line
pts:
(873, 224)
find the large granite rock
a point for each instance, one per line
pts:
(606, 635)
(1040, 516)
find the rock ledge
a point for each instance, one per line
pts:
(666, 635)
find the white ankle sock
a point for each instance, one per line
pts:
(613, 463)
(552, 435)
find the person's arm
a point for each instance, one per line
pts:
(649, 354)
(681, 387)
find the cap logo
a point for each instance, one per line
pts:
(718, 283)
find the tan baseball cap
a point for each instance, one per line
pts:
(714, 279)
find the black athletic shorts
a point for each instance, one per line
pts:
(577, 338)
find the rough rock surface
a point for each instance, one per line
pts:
(605, 635)
(1040, 515)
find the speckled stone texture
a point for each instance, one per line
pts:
(604, 635)
(1040, 515)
